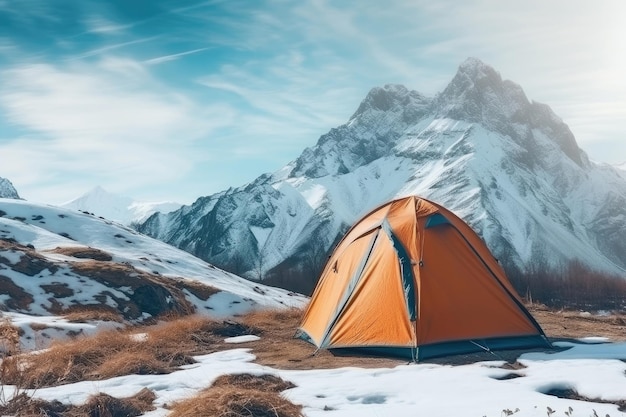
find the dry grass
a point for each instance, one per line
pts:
(83, 253)
(166, 346)
(89, 313)
(196, 288)
(242, 395)
(99, 405)
(161, 348)
(9, 337)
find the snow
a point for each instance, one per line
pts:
(118, 208)
(477, 389)
(242, 339)
(260, 234)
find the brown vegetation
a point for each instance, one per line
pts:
(9, 338)
(87, 313)
(83, 253)
(99, 405)
(574, 287)
(166, 346)
(160, 349)
(241, 395)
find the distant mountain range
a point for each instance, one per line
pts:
(118, 208)
(509, 166)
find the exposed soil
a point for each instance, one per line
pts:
(576, 324)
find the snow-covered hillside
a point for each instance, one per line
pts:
(508, 166)
(118, 208)
(53, 260)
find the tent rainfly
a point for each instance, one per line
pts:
(412, 279)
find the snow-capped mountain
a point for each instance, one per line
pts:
(118, 208)
(7, 190)
(53, 260)
(508, 166)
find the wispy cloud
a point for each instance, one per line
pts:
(112, 121)
(173, 57)
(102, 25)
(109, 48)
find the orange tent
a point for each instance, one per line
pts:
(412, 279)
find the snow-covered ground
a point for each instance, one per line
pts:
(595, 371)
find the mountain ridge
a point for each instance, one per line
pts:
(509, 167)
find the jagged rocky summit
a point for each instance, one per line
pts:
(508, 166)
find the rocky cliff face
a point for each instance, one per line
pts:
(510, 167)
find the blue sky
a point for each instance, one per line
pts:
(172, 100)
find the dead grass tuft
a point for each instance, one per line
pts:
(196, 288)
(264, 382)
(83, 253)
(241, 395)
(274, 318)
(24, 406)
(9, 337)
(88, 313)
(100, 405)
(135, 362)
(103, 405)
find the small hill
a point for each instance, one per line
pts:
(55, 261)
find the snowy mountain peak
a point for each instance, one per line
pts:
(478, 94)
(7, 190)
(116, 207)
(389, 97)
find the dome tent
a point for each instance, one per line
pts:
(412, 279)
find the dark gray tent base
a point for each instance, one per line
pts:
(449, 348)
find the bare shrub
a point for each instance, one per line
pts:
(573, 286)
